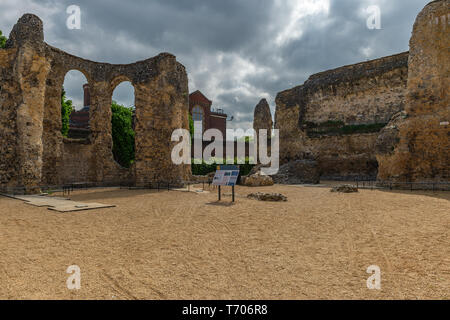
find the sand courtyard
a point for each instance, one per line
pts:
(182, 245)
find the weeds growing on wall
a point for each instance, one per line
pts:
(340, 128)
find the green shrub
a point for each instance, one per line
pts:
(204, 168)
(2, 40)
(122, 134)
(66, 110)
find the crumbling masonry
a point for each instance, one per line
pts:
(336, 116)
(33, 152)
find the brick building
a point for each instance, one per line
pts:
(200, 110)
(79, 120)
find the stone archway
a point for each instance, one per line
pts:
(122, 120)
(36, 72)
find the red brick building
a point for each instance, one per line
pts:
(200, 110)
(79, 120)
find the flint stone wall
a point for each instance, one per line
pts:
(362, 94)
(33, 150)
(408, 91)
(419, 147)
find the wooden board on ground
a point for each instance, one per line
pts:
(59, 204)
(193, 190)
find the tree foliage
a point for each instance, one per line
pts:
(2, 40)
(122, 134)
(66, 110)
(191, 126)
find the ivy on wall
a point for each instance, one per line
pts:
(340, 128)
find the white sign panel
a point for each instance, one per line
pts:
(226, 177)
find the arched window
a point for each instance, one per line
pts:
(123, 121)
(75, 106)
(197, 117)
(197, 114)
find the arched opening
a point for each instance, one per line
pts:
(123, 121)
(198, 117)
(75, 106)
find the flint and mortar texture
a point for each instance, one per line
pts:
(33, 150)
(421, 148)
(408, 92)
(262, 117)
(365, 93)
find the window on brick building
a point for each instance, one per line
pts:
(197, 116)
(197, 113)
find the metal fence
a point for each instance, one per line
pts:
(411, 186)
(68, 188)
(64, 188)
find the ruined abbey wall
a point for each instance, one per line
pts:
(313, 118)
(76, 163)
(34, 153)
(368, 92)
(417, 145)
(387, 118)
(345, 157)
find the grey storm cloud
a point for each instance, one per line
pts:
(235, 51)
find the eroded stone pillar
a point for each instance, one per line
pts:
(9, 100)
(262, 120)
(52, 136)
(162, 106)
(420, 151)
(30, 70)
(101, 139)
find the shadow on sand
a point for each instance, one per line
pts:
(221, 204)
(103, 194)
(434, 194)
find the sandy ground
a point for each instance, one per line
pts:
(179, 245)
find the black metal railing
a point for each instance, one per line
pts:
(406, 185)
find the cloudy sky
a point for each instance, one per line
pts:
(235, 51)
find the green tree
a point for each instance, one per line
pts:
(191, 126)
(2, 40)
(122, 134)
(66, 110)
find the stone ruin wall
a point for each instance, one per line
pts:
(345, 157)
(361, 94)
(34, 153)
(416, 146)
(364, 93)
(409, 90)
(76, 160)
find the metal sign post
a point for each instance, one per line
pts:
(226, 176)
